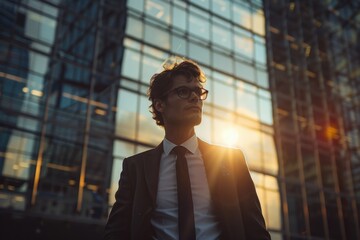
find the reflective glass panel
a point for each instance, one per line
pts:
(265, 111)
(126, 114)
(157, 36)
(158, 9)
(148, 131)
(241, 15)
(131, 64)
(179, 18)
(199, 27)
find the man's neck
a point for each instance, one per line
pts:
(178, 135)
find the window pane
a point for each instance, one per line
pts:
(246, 103)
(244, 46)
(199, 53)
(158, 9)
(134, 27)
(262, 78)
(273, 209)
(242, 16)
(202, 3)
(265, 111)
(245, 71)
(223, 63)
(126, 115)
(178, 45)
(249, 141)
(148, 131)
(179, 18)
(259, 22)
(260, 53)
(199, 27)
(223, 95)
(157, 37)
(221, 36)
(149, 67)
(123, 149)
(269, 153)
(136, 4)
(131, 64)
(221, 7)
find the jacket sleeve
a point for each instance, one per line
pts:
(118, 224)
(253, 220)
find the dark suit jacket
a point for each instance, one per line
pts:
(235, 201)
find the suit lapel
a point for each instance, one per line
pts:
(219, 171)
(151, 170)
(221, 175)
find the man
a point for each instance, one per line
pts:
(184, 188)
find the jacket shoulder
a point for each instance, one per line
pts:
(218, 149)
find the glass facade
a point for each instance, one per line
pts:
(227, 39)
(59, 72)
(284, 86)
(313, 52)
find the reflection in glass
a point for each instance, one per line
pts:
(222, 62)
(136, 4)
(244, 71)
(134, 27)
(149, 67)
(246, 103)
(148, 131)
(40, 27)
(158, 9)
(224, 95)
(199, 27)
(241, 15)
(178, 45)
(265, 111)
(126, 115)
(269, 153)
(202, 130)
(244, 46)
(249, 141)
(131, 64)
(123, 149)
(221, 7)
(260, 53)
(199, 53)
(259, 22)
(157, 36)
(179, 18)
(221, 36)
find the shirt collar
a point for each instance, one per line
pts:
(191, 145)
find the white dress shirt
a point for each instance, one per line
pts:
(165, 216)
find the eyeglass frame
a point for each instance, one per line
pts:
(192, 90)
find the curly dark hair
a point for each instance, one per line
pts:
(161, 83)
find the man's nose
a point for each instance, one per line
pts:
(194, 97)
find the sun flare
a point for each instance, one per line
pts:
(230, 137)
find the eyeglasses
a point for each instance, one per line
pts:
(185, 92)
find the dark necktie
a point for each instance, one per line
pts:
(185, 203)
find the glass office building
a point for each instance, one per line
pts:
(313, 52)
(227, 39)
(283, 84)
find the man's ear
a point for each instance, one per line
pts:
(159, 105)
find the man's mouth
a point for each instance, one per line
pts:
(193, 108)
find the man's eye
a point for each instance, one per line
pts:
(183, 91)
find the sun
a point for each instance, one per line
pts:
(230, 137)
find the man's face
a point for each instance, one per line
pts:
(177, 111)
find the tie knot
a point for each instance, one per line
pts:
(179, 150)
